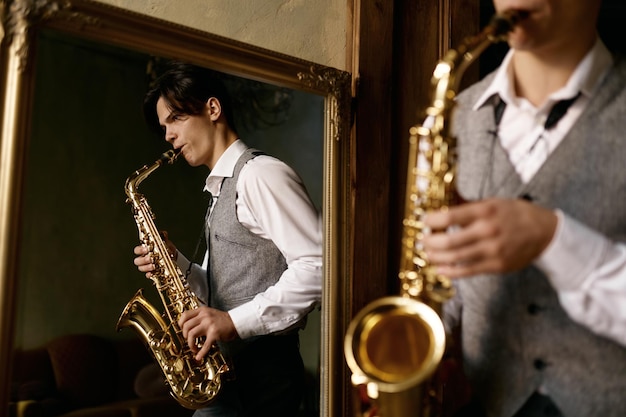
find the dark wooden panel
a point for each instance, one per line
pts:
(371, 152)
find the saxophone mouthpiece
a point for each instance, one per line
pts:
(169, 156)
(503, 23)
(516, 16)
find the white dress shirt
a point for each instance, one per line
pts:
(587, 269)
(272, 203)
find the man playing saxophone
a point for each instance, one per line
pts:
(262, 274)
(538, 253)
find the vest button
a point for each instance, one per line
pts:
(533, 309)
(539, 364)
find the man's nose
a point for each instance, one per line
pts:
(170, 136)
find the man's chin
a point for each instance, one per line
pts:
(192, 162)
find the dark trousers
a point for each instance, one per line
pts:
(268, 380)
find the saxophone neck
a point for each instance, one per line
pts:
(137, 177)
(450, 69)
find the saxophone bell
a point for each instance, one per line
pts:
(391, 376)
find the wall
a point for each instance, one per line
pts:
(314, 30)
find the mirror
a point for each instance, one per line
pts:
(74, 74)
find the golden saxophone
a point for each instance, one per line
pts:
(193, 384)
(394, 345)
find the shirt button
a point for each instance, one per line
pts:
(539, 364)
(533, 309)
(540, 119)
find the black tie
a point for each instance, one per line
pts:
(205, 236)
(210, 201)
(557, 111)
(203, 240)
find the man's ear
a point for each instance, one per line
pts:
(214, 108)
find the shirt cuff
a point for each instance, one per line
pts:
(574, 252)
(247, 321)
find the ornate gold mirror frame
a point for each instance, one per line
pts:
(22, 20)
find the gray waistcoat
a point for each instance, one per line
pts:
(242, 264)
(516, 336)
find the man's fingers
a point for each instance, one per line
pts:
(140, 250)
(442, 219)
(460, 215)
(203, 352)
(457, 237)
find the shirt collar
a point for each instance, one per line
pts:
(585, 78)
(225, 167)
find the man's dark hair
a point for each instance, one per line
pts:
(186, 89)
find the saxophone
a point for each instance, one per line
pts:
(395, 344)
(193, 384)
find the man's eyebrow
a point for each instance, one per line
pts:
(171, 116)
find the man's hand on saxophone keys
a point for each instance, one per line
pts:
(144, 261)
(208, 323)
(488, 236)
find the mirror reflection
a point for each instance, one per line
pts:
(76, 269)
